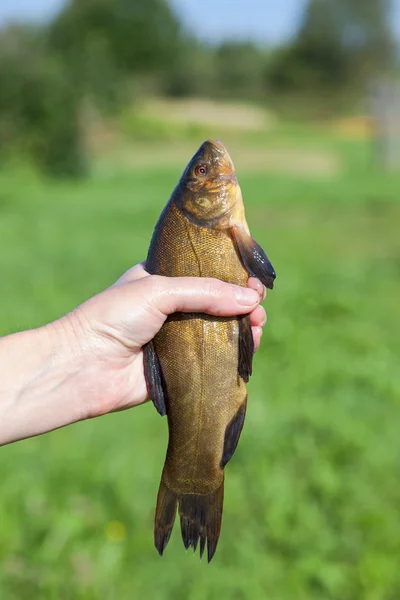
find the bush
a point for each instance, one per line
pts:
(39, 108)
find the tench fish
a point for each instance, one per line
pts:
(197, 366)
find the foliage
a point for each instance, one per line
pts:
(89, 53)
(192, 72)
(229, 70)
(39, 109)
(108, 54)
(312, 493)
(340, 46)
(105, 41)
(240, 69)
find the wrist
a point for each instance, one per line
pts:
(38, 392)
(79, 352)
(71, 360)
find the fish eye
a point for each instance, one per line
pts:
(201, 170)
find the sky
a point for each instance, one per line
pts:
(265, 21)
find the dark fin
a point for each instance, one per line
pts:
(232, 434)
(202, 543)
(201, 517)
(254, 258)
(246, 348)
(154, 379)
(165, 516)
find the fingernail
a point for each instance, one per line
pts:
(246, 296)
(260, 287)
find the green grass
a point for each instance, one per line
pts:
(313, 493)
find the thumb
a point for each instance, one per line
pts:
(198, 294)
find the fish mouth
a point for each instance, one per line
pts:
(218, 145)
(215, 148)
(219, 156)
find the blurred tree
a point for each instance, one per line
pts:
(240, 69)
(105, 42)
(192, 73)
(231, 70)
(93, 49)
(39, 109)
(340, 45)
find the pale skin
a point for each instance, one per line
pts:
(90, 362)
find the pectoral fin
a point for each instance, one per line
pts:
(246, 348)
(253, 257)
(154, 378)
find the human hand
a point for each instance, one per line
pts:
(90, 362)
(110, 329)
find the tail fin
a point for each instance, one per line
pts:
(200, 515)
(165, 516)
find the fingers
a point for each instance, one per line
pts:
(257, 334)
(161, 296)
(133, 274)
(195, 294)
(258, 318)
(256, 284)
(139, 272)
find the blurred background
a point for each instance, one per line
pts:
(102, 104)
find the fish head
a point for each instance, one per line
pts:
(208, 190)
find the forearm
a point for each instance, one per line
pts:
(38, 382)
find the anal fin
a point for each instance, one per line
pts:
(232, 434)
(154, 378)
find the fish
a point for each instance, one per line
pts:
(197, 366)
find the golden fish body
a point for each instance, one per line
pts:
(193, 364)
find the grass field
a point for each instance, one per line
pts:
(313, 492)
